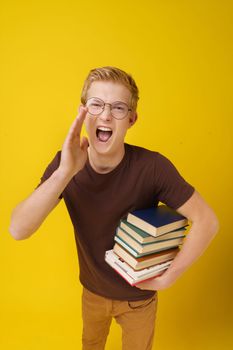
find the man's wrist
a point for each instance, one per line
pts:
(63, 175)
(172, 274)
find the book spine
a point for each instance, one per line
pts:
(130, 279)
(148, 247)
(135, 253)
(122, 265)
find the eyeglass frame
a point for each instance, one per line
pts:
(110, 106)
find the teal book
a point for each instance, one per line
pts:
(151, 246)
(157, 220)
(138, 254)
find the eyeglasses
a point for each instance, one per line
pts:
(119, 110)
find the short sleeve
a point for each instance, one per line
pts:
(171, 188)
(53, 165)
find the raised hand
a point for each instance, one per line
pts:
(74, 149)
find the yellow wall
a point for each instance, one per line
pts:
(180, 54)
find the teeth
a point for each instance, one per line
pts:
(104, 129)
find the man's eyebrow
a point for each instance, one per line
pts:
(117, 101)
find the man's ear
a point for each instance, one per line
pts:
(133, 118)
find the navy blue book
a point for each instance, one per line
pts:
(157, 220)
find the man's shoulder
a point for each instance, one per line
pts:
(145, 157)
(139, 153)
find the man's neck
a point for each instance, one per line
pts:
(103, 163)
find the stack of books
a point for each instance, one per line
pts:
(146, 243)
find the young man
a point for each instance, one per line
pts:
(101, 179)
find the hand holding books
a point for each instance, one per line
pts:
(146, 243)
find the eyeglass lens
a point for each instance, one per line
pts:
(96, 106)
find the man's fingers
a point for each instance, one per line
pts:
(82, 111)
(80, 119)
(76, 127)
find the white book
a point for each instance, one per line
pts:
(130, 275)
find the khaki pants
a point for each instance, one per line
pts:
(137, 319)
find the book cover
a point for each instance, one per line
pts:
(157, 220)
(144, 237)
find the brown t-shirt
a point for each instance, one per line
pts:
(96, 203)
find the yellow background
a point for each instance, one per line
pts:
(180, 54)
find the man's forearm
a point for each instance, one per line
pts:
(30, 213)
(196, 242)
(204, 227)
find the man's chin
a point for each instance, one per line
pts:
(101, 147)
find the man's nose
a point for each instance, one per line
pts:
(106, 114)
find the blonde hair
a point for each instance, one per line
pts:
(114, 74)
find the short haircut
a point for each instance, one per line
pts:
(113, 74)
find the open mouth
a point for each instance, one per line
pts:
(103, 134)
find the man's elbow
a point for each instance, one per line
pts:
(19, 235)
(216, 225)
(213, 223)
